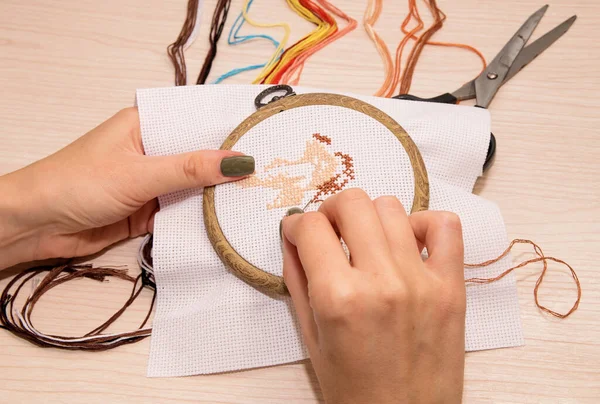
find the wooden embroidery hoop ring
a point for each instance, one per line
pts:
(256, 277)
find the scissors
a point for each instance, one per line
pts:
(511, 59)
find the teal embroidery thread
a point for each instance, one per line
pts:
(234, 39)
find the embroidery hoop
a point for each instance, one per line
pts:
(274, 284)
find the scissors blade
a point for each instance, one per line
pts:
(534, 49)
(530, 52)
(488, 83)
(466, 92)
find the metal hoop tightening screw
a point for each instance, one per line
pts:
(259, 100)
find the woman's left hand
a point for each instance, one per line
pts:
(99, 190)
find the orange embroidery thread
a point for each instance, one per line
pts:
(540, 257)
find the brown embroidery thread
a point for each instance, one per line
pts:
(216, 29)
(322, 138)
(19, 322)
(338, 182)
(176, 49)
(540, 257)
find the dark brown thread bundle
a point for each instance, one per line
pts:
(540, 257)
(216, 29)
(176, 49)
(19, 322)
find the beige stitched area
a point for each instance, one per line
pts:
(331, 172)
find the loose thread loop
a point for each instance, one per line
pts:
(19, 322)
(540, 258)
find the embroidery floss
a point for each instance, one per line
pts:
(393, 72)
(145, 262)
(414, 14)
(278, 52)
(540, 258)
(292, 75)
(371, 16)
(177, 48)
(234, 39)
(216, 29)
(416, 50)
(19, 322)
(326, 26)
(185, 38)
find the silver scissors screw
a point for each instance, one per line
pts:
(492, 76)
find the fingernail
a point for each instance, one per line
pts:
(290, 212)
(237, 166)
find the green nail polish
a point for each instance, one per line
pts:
(290, 212)
(293, 211)
(237, 166)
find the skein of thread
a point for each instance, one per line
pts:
(19, 322)
(326, 26)
(292, 75)
(175, 51)
(216, 29)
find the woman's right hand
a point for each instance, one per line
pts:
(386, 326)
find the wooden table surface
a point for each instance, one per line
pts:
(65, 66)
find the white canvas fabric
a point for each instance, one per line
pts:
(207, 320)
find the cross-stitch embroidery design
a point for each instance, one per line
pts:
(330, 172)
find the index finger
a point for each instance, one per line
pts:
(353, 213)
(319, 248)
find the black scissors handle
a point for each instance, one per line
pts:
(448, 98)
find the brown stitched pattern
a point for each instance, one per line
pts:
(338, 181)
(322, 138)
(325, 178)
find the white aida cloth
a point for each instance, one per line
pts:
(207, 320)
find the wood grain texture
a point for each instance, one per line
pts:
(255, 276)
(67, 66)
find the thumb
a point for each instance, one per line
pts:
(164, 174)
